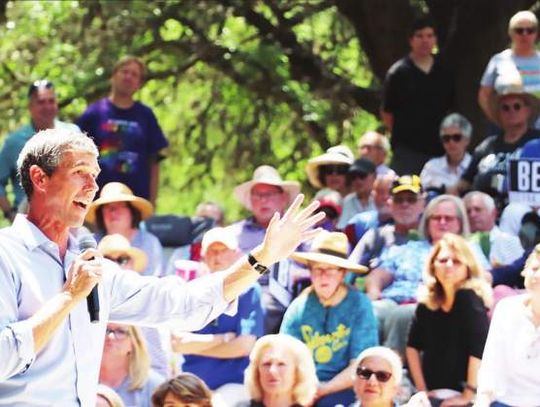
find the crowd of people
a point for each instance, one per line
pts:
(412, 279)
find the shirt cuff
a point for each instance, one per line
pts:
(24, 343)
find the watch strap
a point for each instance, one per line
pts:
(258, 267)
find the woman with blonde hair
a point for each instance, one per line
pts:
(281, 373)
(450, 327)
(125, 366)
(186, 389)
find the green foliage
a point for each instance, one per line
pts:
(227, 97)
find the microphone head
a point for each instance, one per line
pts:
(87, 241)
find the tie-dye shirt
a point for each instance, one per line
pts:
(129, 141)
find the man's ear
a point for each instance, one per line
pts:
(38, 177)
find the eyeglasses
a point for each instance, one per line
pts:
(40, 84)
(120, 260)
(334, 169)
(456, 138)
(516, 107)
(525, 30)
(118, 333)
(265, 195)
(328, 271)
(380, 375)
(410, 199)
(444, 260)
(445, 218)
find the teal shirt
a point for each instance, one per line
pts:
(9, 154)
(334, 335)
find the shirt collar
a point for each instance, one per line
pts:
(33, 237)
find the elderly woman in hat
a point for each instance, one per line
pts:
(117, 210)
(329, 170)
(519, 58)
(334, 320)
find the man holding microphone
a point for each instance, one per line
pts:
(50, 351)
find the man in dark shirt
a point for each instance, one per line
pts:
(418, 92)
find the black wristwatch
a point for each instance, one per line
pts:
(258, 267)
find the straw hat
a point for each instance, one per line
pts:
(511, 83)
(117, 245)
(330, 248)
(265, 174)
(337, 155)
(118, 192)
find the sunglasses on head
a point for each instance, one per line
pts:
(334, 169)
(120, 260)
(456, 138)
(513, 106)
(525, 30)
(40, 84)
(380, 375)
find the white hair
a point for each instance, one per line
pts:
(524, 15)
(388, 355)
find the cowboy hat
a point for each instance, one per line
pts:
(337, 155)
(511, 84)
(118, 245)
(118, 192)
(265, 174)
(330, 248)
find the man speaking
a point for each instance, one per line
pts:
(50, 352)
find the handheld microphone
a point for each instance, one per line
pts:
(87, 241)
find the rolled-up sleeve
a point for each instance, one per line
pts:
(16, 349)
(16, 337)
(151, 300)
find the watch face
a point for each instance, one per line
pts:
(260, 268)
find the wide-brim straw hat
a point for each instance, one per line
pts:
(118, 192)
(337, 155)
(330, 248)
(511, 84)
(265, 174)
(117, 245)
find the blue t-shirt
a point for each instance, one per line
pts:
(128, 140)
(9, 154)
(248, 321)
(335, 335)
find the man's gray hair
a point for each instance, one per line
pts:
(456, 120)
(46, 149)
(488, 201)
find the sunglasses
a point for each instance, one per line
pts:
(525, 30)
(334, 169)
(120, 260)
(380, 375)
(456, 138)
(410, 199)
(514, 106)
(354, 175)
(446, 218)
